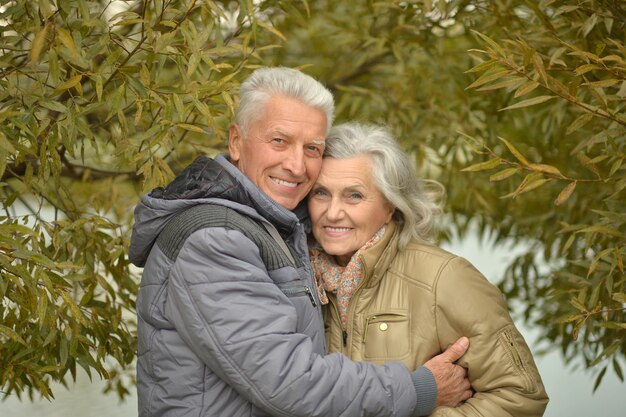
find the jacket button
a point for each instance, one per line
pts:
(383, 327)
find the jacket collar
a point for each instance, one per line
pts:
(376, 260)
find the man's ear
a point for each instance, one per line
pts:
(234, 142)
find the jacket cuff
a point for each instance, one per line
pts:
(426, 390)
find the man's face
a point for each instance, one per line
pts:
(282, 152)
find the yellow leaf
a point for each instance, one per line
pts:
(577, 304)
(492, 163)
(37, 45)
(511, 82)
(488, 77)
(483, 66)
(549, 169)
(583, 69)
(271, 29)
(528, 102)
(497, 48)
(66, 39)
(514, 151)
(190, 127)
(72, 82)
(503, 174)
(602, 83)
(569, 318)
(78, 315)
(99, 87)
(532, 185)
(131, 22)
(565, 193)
(526, 88)
(530, 182)
(538, 62)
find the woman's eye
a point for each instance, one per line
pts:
(319, 193)
(356, 196)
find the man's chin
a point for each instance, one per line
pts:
(289, 203)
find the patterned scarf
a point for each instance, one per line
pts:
(341, 280)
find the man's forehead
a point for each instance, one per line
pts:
(321, 141)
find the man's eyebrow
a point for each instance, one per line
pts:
(282, 132)
(318, 142)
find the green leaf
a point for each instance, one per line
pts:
(599, 379)
(579, 122)
(601, 229)
(489, 77)
(12, 334)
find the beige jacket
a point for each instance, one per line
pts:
(412, 304)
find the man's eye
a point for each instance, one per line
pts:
(314, 151)
(279, 140)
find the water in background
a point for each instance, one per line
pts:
(570, 392)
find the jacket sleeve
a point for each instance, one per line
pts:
(226, 308)
(500, 365)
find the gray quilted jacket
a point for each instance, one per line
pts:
(228, 323)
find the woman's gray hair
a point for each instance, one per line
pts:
(417, 202)
(267, 82)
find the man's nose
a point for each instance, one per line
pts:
(294, 162)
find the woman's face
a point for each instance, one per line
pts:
(346, 207)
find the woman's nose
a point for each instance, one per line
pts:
(335, 210)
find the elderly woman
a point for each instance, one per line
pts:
(390, 295)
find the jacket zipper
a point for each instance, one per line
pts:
(344, 333)
(350, 312)
(294, 291)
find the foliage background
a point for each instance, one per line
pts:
(516, 106)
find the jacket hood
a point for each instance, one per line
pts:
(205, 181)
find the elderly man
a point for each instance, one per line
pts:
(228, 316)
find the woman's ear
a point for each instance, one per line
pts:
(391, 211)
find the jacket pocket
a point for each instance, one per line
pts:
(386, 336)
(299, 291)
(519, 357)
